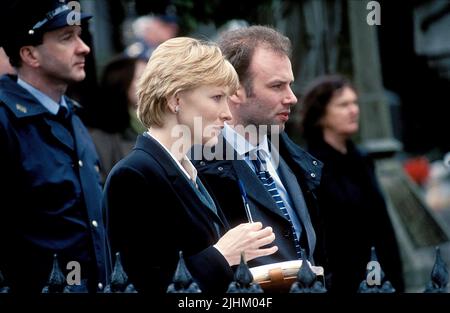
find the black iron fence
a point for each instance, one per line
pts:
(305, 281)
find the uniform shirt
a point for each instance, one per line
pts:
(45, 100)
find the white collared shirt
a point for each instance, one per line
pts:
(185, 165)
(45, 100)
(245, 149)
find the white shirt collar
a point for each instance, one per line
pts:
(189, 169)
(185, 165)
(242, 146)
(45, 100)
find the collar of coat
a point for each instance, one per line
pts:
(300, 161)
(20, 102)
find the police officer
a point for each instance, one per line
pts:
(50, 192)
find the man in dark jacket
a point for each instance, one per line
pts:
(50, 189)
(278, 179)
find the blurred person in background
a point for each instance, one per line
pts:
(354, 210)
(5, 67)
(117, 125)
(150, 31)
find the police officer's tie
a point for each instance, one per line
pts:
(64, 116)
(63, 113)
(268, 182)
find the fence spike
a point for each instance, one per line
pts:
(439, 275)
(243, 280)
(119, 279)
(307, 281)
(182, 279)
(384, 286)
(56, 280)
(3, 287)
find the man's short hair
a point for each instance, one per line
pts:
(239, 46)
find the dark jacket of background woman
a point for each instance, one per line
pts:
(355, 218)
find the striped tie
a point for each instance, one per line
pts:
(268, 182)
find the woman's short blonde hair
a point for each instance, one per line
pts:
(180, 64)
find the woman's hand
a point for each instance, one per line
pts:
(248, 238)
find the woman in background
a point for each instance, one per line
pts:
(355, 213)
(157, 204)
(116, 122)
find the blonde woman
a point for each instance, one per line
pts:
(157, 204)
